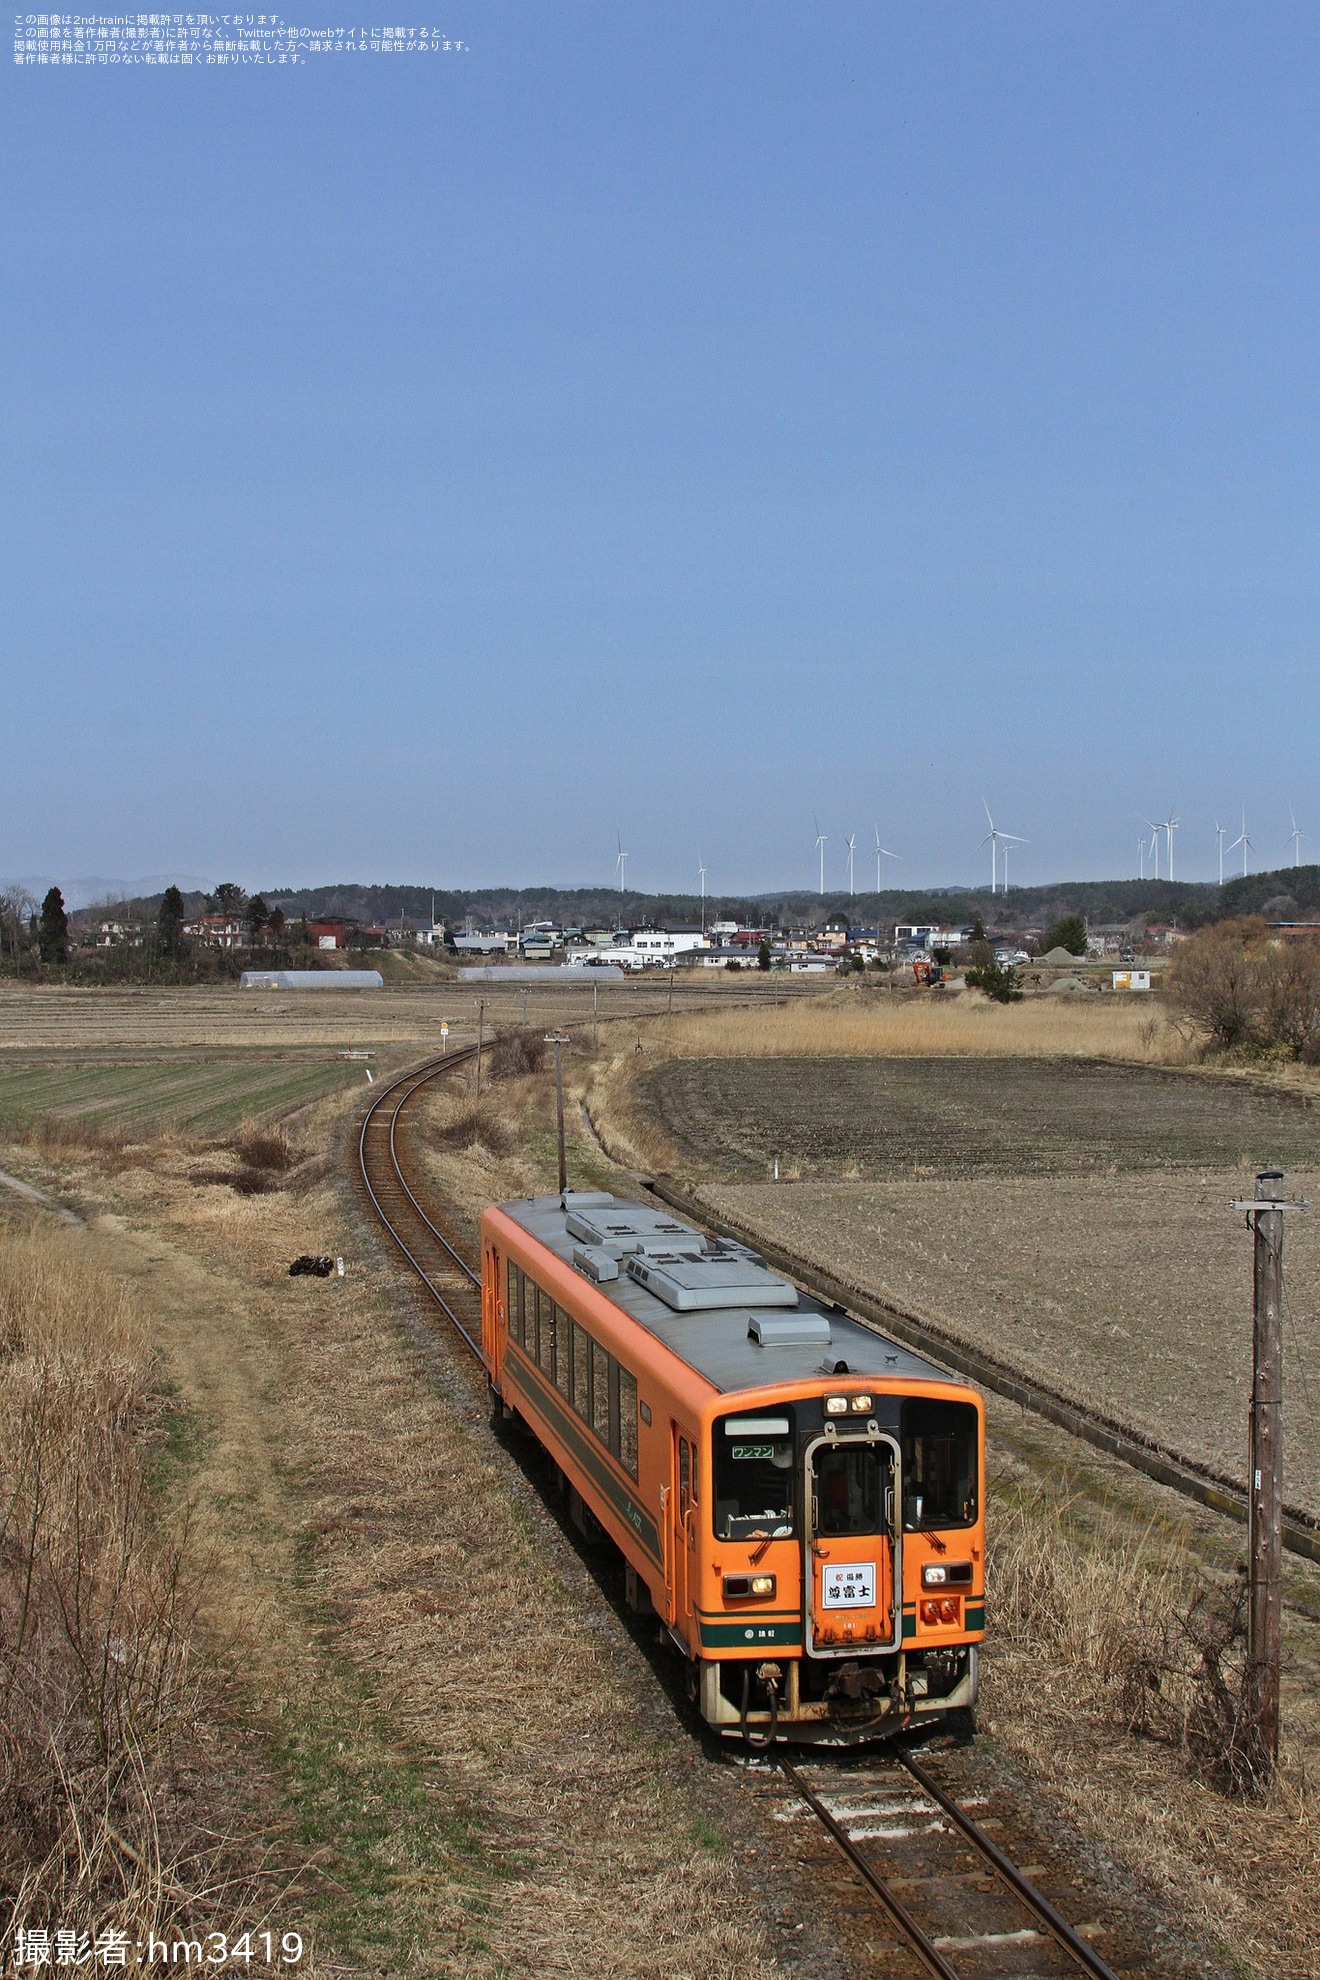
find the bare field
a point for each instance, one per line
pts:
(186, 1092)
(45, 1016)
(960, 1117)
(1069, 1217)
(1131, 1296)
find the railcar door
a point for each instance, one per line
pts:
(683, 1535)
(851, 1571)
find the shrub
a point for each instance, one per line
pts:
(997, 980)
(516, 1052)
(1239, 989)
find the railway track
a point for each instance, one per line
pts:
(382, 1155)
(949, 1897)
(952, 1899)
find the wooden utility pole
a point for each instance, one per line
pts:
(1265, 1475)
(558, 1038)
(481, 1030)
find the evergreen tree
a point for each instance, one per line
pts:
(1069, 934)
(53, 929)
(169, 923)
(763, 956)
(258, 915)
(228, 898)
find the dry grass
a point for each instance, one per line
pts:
(1114, 1676)
(103, 1708)
(540, 1824)
(866, 1022)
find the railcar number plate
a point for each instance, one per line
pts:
(851, 1587)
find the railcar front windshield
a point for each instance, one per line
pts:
(755, 1477)
(940, 1464)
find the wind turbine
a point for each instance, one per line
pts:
(701, 875)
(1219, 834)
(1141, 856)
(821, 842)
(992, 839)
(1245, 844)
(1296, 836)
(851, 844)
(881, 852)
(1155, 831)
(622, 858)
(1170, 825)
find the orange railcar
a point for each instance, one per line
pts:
(800, 1499)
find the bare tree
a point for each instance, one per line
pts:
(17, 908)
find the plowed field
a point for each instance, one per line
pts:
(967, 1117)
(1072, 1218)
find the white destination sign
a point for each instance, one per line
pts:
(851, 1587)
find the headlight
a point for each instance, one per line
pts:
(738, 1587)
(836, 1405)
(861, 1404)
(934, 1577)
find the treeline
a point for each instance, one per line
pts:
(149, 942)
(1288, 893)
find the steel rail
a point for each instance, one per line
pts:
(924, 1947)
(414, 1081)
(1025, 1891)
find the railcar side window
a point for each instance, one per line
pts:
(755, 1478)
(600, 1393)
(563, 1352)
(545, 1333)
(939, 1464)
(582, 1372)
(627, 1446)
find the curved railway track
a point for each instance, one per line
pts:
(953, 1898)
(438, 1263)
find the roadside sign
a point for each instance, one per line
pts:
(444, 1035)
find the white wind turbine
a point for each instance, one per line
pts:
(1220, 831)
(821, 842)
(1155, 831)
(701, 875)
(1245, 844)
(1296, 835)
(622, 859)
(1169, 826)
(1141, 856)
(994, 838)
(851, 844)
(881, 852)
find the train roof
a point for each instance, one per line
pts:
(713, 1302)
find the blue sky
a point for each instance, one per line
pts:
(681, 420)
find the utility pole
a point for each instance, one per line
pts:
(1265, 1477)
(558, 1038)
(481, 1027)
(595, 1028)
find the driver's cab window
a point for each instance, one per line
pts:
(850, 1485)
(754, 1476)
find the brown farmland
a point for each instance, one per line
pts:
(1071, 1217)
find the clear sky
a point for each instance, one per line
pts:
(675, 419)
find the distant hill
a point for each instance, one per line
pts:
(1288, 893)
